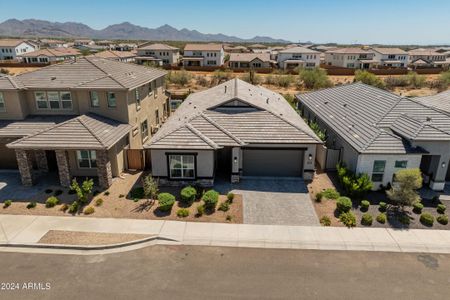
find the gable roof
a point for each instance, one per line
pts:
(158, 47)
(258, 116)
(352, 50)
(85, 132)
(298, 50)
(89, 72)
(112, 54)
(54, 52)
(387, 51)
(203, 47)
(11, 42)
(422, 51)
(248, 57)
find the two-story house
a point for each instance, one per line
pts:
(391, 57)
(79, 118)
(353, 58)
(425, 57)
(291, 58)
(11, 49)
(161, 54)
(203, 55)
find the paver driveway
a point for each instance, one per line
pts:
(274, 201)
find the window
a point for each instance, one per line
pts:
(41, 100)
(401, 163)
(66, 100)
(182, 166)
(87, 159)
(378, 170)
(112, 100)
(211, 62)
(144, 130)
(94, 99)
(150, 88)
(53, 100)
(2, 102)
(138, 98)
(157, 117)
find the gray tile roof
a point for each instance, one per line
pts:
(89, 72)
(9, 83)
(298, 50)
(89, 131)
(372, 120)
(440, 101)
(388, 50)
(262, 116)
(30, 125)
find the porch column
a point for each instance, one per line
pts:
(62, 160)
(104, 169)
(25, 165)
(41, 160)
(235, 163)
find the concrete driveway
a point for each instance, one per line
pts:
(274, 201)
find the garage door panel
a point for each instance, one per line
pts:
(267, 162)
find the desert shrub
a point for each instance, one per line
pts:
(381, 218)
(331, 194)
(445, 79)
(136, 200)
(166, 201)
(200, 210)
(319, 196)
(182, 213)
(121, 196)
(314, 78)
(73, 208)
(188, 194)
(415, 80)
(229, 218)
(427, 219)
(224, 206)
(417, 207)
(57, 193)
(51, 202)
(441, 208)
(32, 204)
(383, 207)
(403, 193)
(284, 81)
(230, 197)
(137, 193)
(179, 77)
(220, 76)
(150, 187)
(4, 71)
(348, 219)
(343, 204)
(325, 221)
(210, 198)
(89, 210)
(442, 219)
(354, 185)
(64, 207)
(369, 78)
(366, 219)
(365, 205)
(400, 81)
(404, 219)
(7, 203)
(106, 193)
(99, 202)
(270, 79)
(202, 81)
(251, 77)
(84, 190)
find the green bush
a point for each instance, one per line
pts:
(99, 202)
(427, 219)
(200, 210)
(383, 207)
(331, 194)
(137, 193)
(417, 207)
(348, 219)
(315, 78)
(415, 80)
(442, 219)
(229, 218)
(64, 207)
(369, 78)
(32, 204)
(365, 205)
(7, 203)
(381, 218)
(210, 198)
(319, 196)
(404, 219)
(224, 206)
(179, 77)
(51, 202)
(73, 208)
(89, 210)
(188, 194)
(182, 213)
(230, 197)
(318, 130)
(366, 219)
(343, 204)
(166, 201)
(441, 208)
(354, 185)
(325, 221)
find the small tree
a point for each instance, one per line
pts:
(403, 192)
(314, 78)
(83, 191)
(369, 78)
(150, 187)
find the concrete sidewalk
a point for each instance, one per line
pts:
(29, 230)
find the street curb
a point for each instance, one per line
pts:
(87, 247)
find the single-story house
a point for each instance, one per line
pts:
(250, 61)
(50, 55)
(378, 133)
(233, 130)
(123, 56)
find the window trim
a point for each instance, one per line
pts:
(89, 152)
(144, 138)
(90, 99)
(169, 175)
(137, 97)
(378, 173)
(108, 98)
(3, 102)
(401, 161)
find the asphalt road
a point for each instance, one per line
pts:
(178, 272)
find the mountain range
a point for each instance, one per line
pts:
(122, 31)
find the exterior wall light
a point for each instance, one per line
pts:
(235, 159)
(443, 165)
(310, 156)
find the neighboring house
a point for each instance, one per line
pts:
(257, 47)
(291, 58)
(161, 54)
(124, 47)
(426, 57)
(123, 56)
(79, 119)
(78, 43)
(48, 56)
(391, 57)
(353, 58)
(46, 43)
(250, 61)
(11, 49)
(236, 49)
(378, 133)
(232, 130)
(203, 55)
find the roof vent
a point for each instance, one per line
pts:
(345, 104)
(267, 100)
(428, 119)
(326, 102)
(225, 89)
(53, 78)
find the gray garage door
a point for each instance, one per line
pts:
(279, 162)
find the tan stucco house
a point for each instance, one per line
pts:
(232, 131)
(79, 118)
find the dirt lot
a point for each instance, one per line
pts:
(62, 237)
(17, 71)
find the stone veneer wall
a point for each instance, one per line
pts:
(63, 167)
(104, 169)
(41, 160)
(25, 165)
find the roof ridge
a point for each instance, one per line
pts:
(224, 130)
(106, 73)
(80, 119)
(202, 136)
(369, 142)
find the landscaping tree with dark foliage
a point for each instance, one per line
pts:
(403, 192)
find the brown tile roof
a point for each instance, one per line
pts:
(298, 50)
(10, 42)
(55, 52)
(203, 47)
(158, 47)
(424, 52)
(30, 125)
(247, 57)
(348, 51)
(9, 83)
(111, 54)
(388, 51)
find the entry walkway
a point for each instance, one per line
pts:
(20, 230)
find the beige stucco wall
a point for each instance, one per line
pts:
(14, 109)
(205, 162)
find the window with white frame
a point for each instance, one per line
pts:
(378, 170)
(401, 163)
(138, 98)
(66, 100)
(41, 100)
(53, 100)
(112, 103)
(144, 130)
(2, 102)
(95, 100)
(87, 159)
(182, 166)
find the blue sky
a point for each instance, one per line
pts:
(342, 21)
